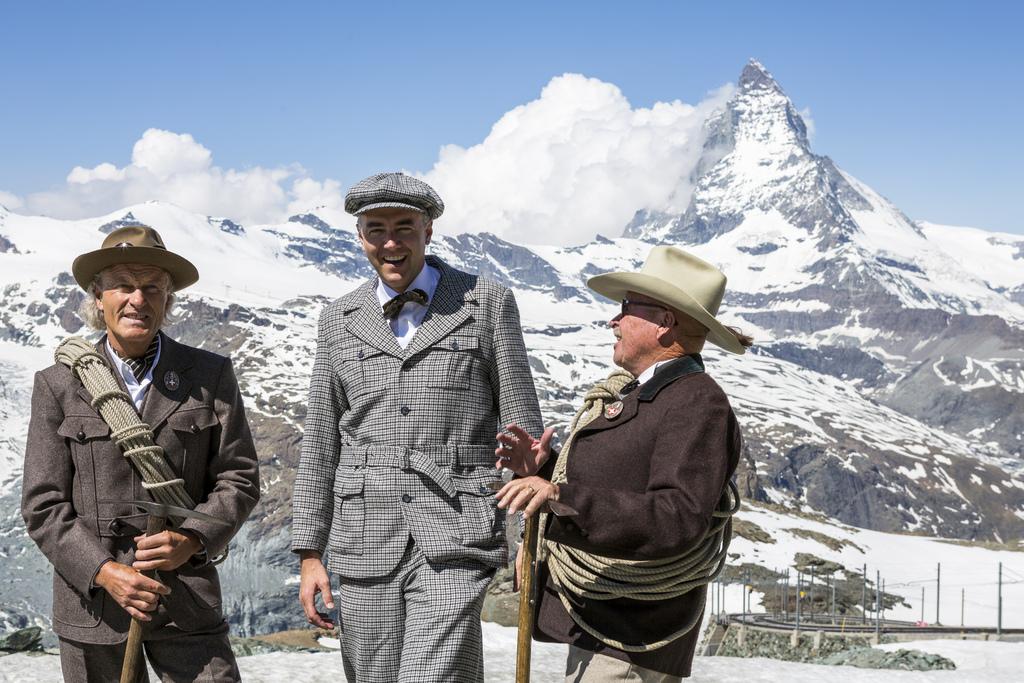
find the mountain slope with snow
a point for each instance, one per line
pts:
(886, 390)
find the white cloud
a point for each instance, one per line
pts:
(176, 168)
(105, 171)
(11, 201)
(578, 161)
(805, 114)
(327, 198)
(165, 154)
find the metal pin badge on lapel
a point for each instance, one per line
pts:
(612, 410)
(171, 380)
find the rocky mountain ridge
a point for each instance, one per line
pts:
(886, 390)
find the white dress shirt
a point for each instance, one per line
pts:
(409, 320)
(649, 372)
(136, 389)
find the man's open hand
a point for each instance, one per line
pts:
(520, 452)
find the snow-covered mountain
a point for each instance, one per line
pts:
(886, 390)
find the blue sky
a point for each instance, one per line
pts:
(921, 100)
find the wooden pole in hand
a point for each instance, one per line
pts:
(133, 650)
(527, 599)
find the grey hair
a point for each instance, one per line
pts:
(92, 316)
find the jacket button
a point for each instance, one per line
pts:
(194, 428)
(80, 435)
(455, 345)
(405, 410)
(115, 526)
(406, 498)
(360, 354)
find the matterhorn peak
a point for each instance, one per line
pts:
(756, 77)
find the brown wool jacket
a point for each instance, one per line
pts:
(74, 475)
(645, 484)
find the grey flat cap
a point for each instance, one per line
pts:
(393, 191)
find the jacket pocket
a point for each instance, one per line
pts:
(193, 428)
(348, 526)
(74, 609)
(453, 362)
(364, 369)
(88, 441)
(82, 429)
(481, 522)
(195, 599)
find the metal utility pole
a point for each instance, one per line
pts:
(922, 604)
(748, 591)
(864, 595)
(778, 591)
(962, 607)
(938, 586)
(999, 604)
(878, 605)
(883, 598)
(832, 579)
(799, 594)
(810, 593)
(785, 596)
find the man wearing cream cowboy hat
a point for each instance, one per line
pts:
(79, 488)
(643, 479)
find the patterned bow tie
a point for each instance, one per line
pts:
(394, 307)
(628, 387)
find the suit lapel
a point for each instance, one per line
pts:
(369, 324)
(171, 383)
(446, 311)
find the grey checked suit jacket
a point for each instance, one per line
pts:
(401, 442)
(75, 477)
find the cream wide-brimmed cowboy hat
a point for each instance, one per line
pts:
(679, 280)
(134, 244)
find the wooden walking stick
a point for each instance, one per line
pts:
(133, 651)
(527, 599)
(157, 522)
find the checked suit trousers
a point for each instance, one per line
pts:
(420, 623)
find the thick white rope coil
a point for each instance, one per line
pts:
(133, 436)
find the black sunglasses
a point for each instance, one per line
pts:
(626, 303)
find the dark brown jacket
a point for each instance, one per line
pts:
(645, 484)
(74, 473)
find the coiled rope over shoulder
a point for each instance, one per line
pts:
(133, 436)
(594, 577)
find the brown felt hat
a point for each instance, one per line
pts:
(134, 244)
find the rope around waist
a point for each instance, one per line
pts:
(594, 577)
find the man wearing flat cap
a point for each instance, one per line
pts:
(644, 475)
(415, 371)
(79, 488)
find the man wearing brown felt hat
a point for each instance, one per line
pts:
(78, 486)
